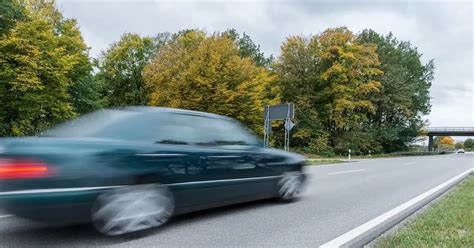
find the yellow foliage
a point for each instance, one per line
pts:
(207, 73)
(447, 140)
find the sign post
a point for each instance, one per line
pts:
(284, 112)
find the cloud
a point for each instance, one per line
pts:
(442, 31)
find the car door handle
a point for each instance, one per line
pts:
(243, 166)
(166, 155)
(225, 156)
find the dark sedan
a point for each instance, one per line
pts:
(130, 169)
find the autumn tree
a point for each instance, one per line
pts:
(349, 71)
(207, 73)
(331, 77)
(121, 69)
(444, 142)
(459, 145)
(298, 77)
(404, 93)
(41, 57)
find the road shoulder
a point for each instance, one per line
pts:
(448, 222)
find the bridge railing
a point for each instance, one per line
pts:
(450, 129)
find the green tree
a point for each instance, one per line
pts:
(404, 93)
(248, 49)
(206, 73)
(33, 79)
(10, 13)
(298, 77)
(459, 145)
(82, 88)
(39, 57)
(121, 69)
(331, 77)
(469, 143)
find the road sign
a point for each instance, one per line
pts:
(280, 112)
(289, 124)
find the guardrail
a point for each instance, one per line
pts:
(450, 129)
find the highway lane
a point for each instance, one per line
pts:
(338, 198)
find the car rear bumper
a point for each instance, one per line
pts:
(55, 206)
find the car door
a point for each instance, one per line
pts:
(235, 162)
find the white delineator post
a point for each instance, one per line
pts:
(349, 156)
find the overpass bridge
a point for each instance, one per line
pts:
(446, 131)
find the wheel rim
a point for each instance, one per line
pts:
(132, 209)
(289, 185)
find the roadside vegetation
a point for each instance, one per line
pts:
(360, 91)
(315, 161)
(448, 223)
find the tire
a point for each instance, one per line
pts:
(290, 186)
(133, 208)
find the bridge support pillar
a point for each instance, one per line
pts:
(430, 143)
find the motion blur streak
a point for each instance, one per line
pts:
(134, 168)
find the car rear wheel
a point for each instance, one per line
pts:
(132, 208)
(290, 185)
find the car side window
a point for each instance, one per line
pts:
(198, 130)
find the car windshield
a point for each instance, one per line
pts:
(156, 127)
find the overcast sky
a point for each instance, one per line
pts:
(442, 30)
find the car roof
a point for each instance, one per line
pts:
(148, 109)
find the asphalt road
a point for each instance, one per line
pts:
(338, 198)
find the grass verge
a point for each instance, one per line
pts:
(324, 161)
(448, 223)
(382, 155)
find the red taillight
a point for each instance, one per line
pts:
(23, 169)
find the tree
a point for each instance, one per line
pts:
(206, 73)
(469, 143)
(42, 56)
(11, 12)
(248, 49)
(444, 142)
(331, 78)
(82, 89)
(34, 79)
(459, 145)
(121, 69)
(404, 92)
(298, 71)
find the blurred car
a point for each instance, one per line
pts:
(130, 169)
(460, 151)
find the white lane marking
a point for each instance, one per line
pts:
(6, 216)
(348, 171)
(354, 233)
(409, 163)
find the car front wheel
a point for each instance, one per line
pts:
(132, 208)
(290, 185)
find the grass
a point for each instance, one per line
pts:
(323, 161)
(448, 223)
(381, 155)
